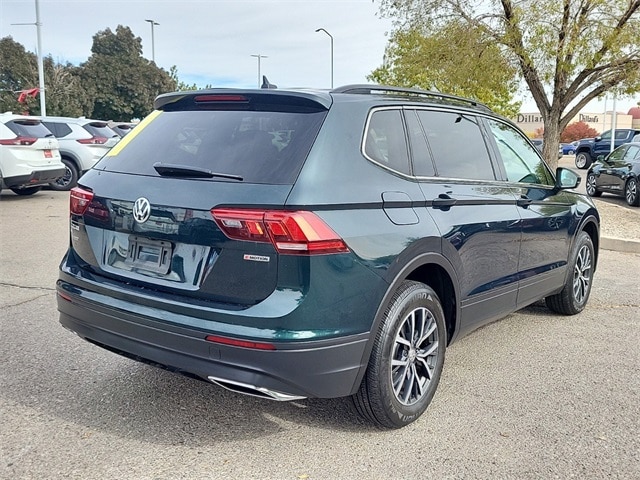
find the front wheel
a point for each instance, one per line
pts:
(407, 358)
(583, 160)
(573, 297)
(592, 189)
(631, 193)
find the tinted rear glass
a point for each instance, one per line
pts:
(100, 130)
(259, 146)
(29, 128)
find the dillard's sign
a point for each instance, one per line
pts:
(536, 118)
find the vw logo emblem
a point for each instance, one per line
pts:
(141, 210)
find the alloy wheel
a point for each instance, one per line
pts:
(591, 185)
(582, 274)
(631, 192)
(414, 356)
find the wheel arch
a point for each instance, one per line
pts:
(72, 158)
(433, 270)
(591, 226)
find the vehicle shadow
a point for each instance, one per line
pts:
(79, 383)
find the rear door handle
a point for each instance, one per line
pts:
(524, 201)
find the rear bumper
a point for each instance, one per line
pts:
(325, 368)
(35, 178)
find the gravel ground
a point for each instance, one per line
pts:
(618, 221)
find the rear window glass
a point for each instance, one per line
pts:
(100, 130)
(259, 146)
(29, 128)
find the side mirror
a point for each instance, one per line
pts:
(597, 139)
(566, 179)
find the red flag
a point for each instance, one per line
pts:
(32, 92)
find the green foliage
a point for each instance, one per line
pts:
(121, 83)
(18, 71)
(116, 82)
(453, 60)
(568, 52)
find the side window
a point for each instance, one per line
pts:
(457, 145)
(521, 161)
(617, 155)
(621, 135)
(385, 142)
(420, 155)
(632, 152)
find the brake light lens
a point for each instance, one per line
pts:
(220, 98)
(19, 141)
(92, 141)
(300, 232)
(79, 200)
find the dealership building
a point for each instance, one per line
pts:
(530, 123)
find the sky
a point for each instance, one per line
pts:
(212, 42)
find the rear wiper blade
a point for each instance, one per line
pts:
(172, 170)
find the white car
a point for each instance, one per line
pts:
(29, 154)
(82, 143)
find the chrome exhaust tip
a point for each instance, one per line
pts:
(253, 390)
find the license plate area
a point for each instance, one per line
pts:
(149, 255)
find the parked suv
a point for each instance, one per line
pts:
(82, 143)
(297, 243)
(29, 155)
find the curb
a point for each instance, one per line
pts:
(620, 244)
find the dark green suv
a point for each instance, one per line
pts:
(297, 243)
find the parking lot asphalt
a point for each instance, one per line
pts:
(531, 396)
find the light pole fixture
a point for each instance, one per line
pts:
(153, 41)
(331, 37)
(38, 24)
(258, 56)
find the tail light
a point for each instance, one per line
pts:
(19, 141)
(301, 232)
(79, 200)
(93, 141)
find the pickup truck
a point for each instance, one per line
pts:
(589, 149)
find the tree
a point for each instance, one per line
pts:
(182, 86)
(451, 59)
(120, 81)
(18, 71)
(569, 52)
(577, 131)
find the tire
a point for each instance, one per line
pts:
(631, 193)
(26, 191)
(575, 294)
(571, 152)
(592, 190)
(583, 160)
(69, 179)
(407, 358)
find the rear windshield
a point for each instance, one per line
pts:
(259, 146)
(100, 130)
(29, 128)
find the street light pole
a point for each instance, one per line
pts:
(153, 41)
(331, 37)
(258, 56)
(38, 24)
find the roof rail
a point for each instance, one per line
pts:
(367, 89)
